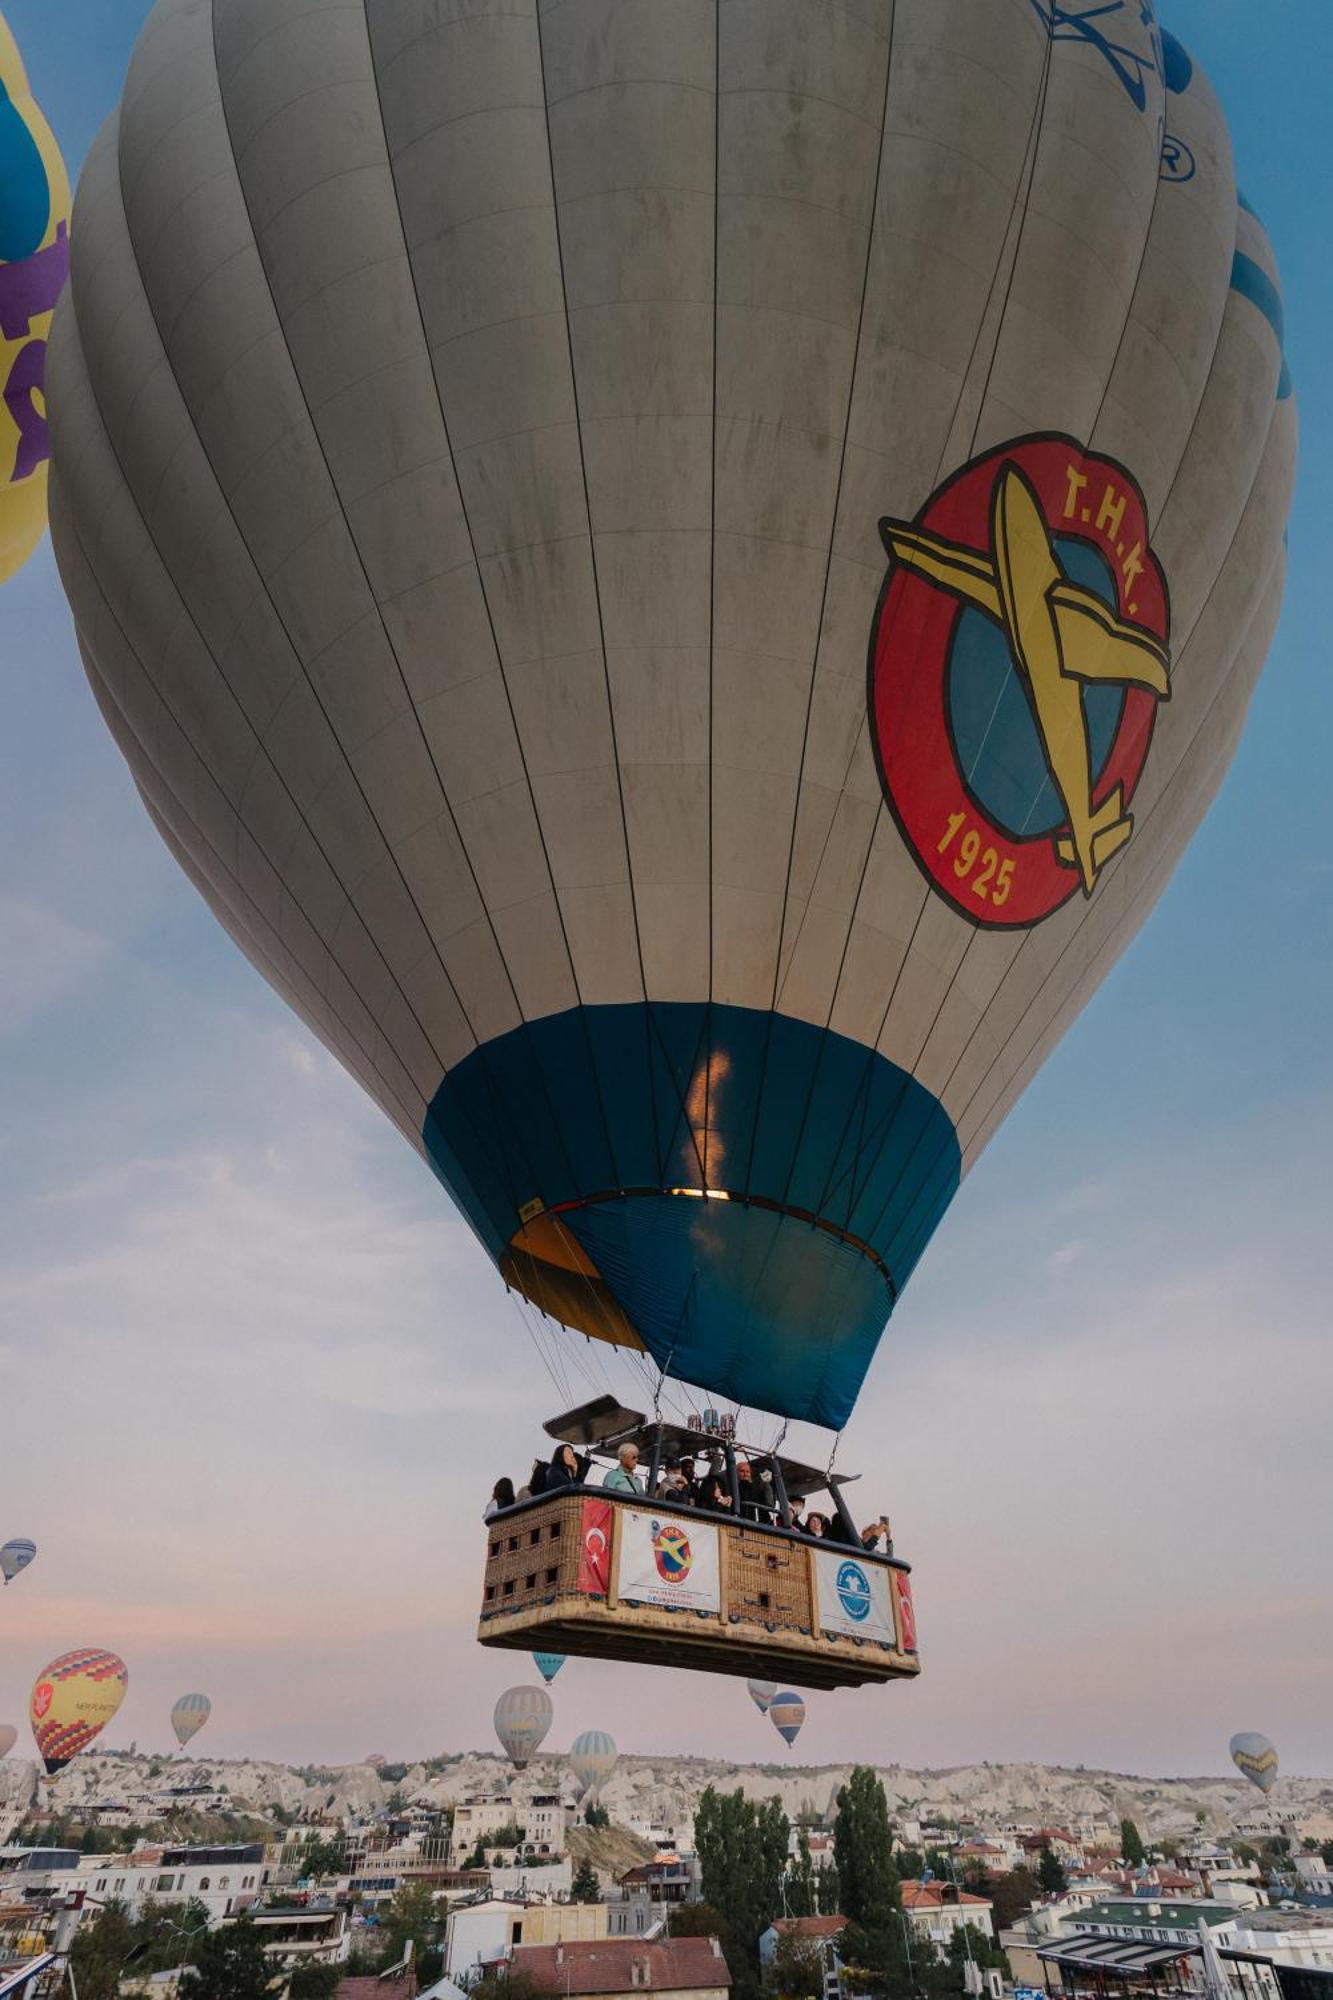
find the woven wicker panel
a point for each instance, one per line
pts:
(768, 1581)
(532, 1555)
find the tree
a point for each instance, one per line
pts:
(410, 1917)
(863, 1846)
(585, 1888)
(320, 1857)
(230, 1965)
(828, 1890)
(800, 1897)
(1012, 1896)
(797, 1971)
(1132, 1850)
(595, 1815)
(99, 1950)
(1050, 1874)
(742, 1850)
(315, 1982)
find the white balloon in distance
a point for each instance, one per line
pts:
(688, 670)
(522, 1717)
(9, 1736)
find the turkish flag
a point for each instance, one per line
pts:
(906, 1614)
(595, 1549)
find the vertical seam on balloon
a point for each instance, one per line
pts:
(828, 572)
(264, 592)
(1019, 202)
(94, 667)
(596, 591)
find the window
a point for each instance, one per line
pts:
(203, 1883)
(224, 1881)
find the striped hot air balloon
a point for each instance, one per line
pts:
(1255, 1756)
(15, 1556)
(34, 263)
(522, 1717)
(786, 1712)
(680, 578)
(189, 1715)
(592, 1759)
(72, 1701)
(761, 1694)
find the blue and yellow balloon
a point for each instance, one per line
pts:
(34, 263)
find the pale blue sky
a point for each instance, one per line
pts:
(256, 1378)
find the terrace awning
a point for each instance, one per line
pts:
(1089, 1951)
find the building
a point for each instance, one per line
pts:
(820, 1934)
(937, 1911)
(226, 1880)
(477, 1821)
(314, 1933)
(1287, 1936)
(545, 1823)
(669, 1879)
(691, 1968)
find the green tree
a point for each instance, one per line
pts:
(315, 1982)
(1050, 1874)
(1132, 1850)
(320, 1857)
(863, 1846)
(742, 1850)
(230, 1964)
(1012, 1896)
(410, 1916)
(797, 1971)
(99, 1950)
(585, 1888)
(828, 1890)
(800, 1897)
(595, 1815)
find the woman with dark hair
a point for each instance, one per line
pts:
(502, 1496)
(564, 1468)
(817, 1525)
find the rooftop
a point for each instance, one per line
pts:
(810, 1927)
(619, 1965)
(939, 1896)
(1179, 1913)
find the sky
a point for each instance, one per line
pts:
(256, 1379)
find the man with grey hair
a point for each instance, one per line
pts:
(623, 1477)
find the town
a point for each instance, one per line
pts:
(142, 1876)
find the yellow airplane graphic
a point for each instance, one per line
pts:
(1060, 635)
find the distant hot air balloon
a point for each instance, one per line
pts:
(72, 1701)
(189, 1716)
(762, 1693)
(16, 1555)
(548, 1665)
(522, 1718)
(592, 1760)
(9, 1736)
(377, 1760)
(34, 263)
(786, 1712)
(1256, 1757)
(686, 689)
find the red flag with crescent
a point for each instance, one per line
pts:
(595, 1549)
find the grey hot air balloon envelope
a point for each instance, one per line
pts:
(1256, 1757)
(761, 1694)
(9, 1736)
(189, 1715)
(679, 577)
(522, 1717)
(592, 1759)
(15, 1557)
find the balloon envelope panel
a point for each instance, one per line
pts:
(522, 1717)
(592, 1759)
(189, 1715)
(1256, 1757)
(34, 263)
(679, 578)
(72, 1701)
(15, 1556)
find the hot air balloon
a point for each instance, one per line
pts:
(72, 1701)
(592, 1759)
(9, 1736)
(522, 1718)
(761, 1694)
(16, 1556)
(682, 633)
(189, 1716)
(34, 263)
(376, 1760)
(1255, 1756)
(548, 1665)
(786, 1712)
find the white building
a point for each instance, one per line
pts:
(1287, 1937)
(545, 1822)
(936, 1911)
(476, 1821)
(480, 1933)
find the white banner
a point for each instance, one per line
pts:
(667, 1559)
(854, 1597)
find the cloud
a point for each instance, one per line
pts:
(43, 960)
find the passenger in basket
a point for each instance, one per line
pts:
(817, 1526)
(797, 1507)
(624, 1477)
(674, 1484)
(754, 1505)
(502, 1495)
(714, 1492)
(564, 1469)
(878, 1537)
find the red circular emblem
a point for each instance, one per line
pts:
(1020, 649)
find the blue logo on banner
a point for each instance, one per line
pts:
(854, 1591)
